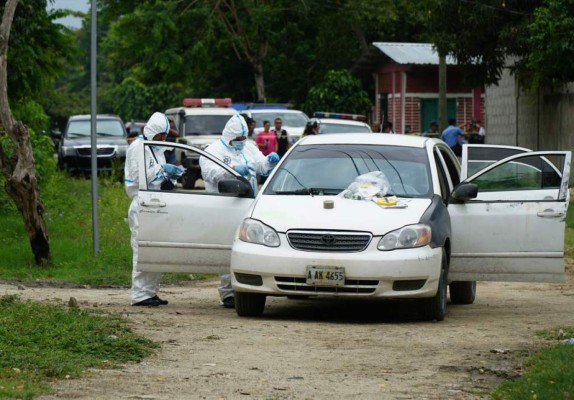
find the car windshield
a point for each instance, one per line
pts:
(107, 127)
(292, 119)
(330, 127)
(205, 124)
(330, 169)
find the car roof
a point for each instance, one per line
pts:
(337, 121)
(367, 138)
(89, 116)
(203, 110)
(274, 110)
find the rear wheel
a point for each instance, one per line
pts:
(434, 308)
(249, 304)
(462, 292)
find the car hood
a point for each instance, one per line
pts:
(101, 141)
(284, 213)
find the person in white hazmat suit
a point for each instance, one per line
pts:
(244, 157)
(145, 285)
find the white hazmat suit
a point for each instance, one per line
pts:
(145, 285)
(247, 159)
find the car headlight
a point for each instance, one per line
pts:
(253, 231)
(406, 237)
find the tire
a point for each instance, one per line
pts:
(249, 304)
(434, 308)
(462, 292)
(188, 179)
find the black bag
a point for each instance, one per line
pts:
(167, 184)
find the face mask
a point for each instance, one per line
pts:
(238, 145)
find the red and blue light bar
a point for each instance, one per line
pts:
(189, 102)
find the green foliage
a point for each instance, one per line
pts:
(339, 92)
(38, 50)
(549, 375)
(551, 33)
(41, 342)
(135, 101)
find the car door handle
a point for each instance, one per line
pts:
(550, 214)
(153, 203)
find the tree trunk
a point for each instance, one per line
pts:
(259, 81)
(19, 169)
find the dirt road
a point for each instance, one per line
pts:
(305, 349)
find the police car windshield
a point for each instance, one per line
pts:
(205, 124)
(293, 119)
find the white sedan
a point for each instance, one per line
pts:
(436, 227)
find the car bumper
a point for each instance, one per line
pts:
(405, 273)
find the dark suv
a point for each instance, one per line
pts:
(74, 149)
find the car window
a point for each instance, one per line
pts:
(526, 173)
(109, 127)
(205, 124)
(184, 158)
(327, 127)
(292, 119)
(332, 168)
(453, 171)
(480, 157)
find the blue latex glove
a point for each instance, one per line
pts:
(173, 171)
(273, 158)
(241, 169)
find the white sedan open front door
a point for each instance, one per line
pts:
(188, 230)
(514, 229)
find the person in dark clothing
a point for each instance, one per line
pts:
(283, 139)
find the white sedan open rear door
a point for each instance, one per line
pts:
(187, 230)
(514, 229)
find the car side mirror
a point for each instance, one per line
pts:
(464, 192)
(239, 187)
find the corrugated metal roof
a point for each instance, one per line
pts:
(412, 53)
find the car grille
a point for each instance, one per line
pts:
(101, 151)
(299, 285)
(329, 241)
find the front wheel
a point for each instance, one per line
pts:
(249, 304)
(434, 308)
(462, 292)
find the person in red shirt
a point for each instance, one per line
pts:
(266, 140)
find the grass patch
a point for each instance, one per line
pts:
(549, 375)
(68, 215)
(569, 234)
(563, 332)
(40, 343)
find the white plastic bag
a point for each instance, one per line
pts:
(367, 186)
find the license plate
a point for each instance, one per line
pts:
(325, 276)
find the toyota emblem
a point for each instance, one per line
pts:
(328, 240)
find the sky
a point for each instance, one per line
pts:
(78, 5)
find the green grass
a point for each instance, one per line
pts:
(549, 376)
(569, 234)
(40, 343)
(68, 216)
